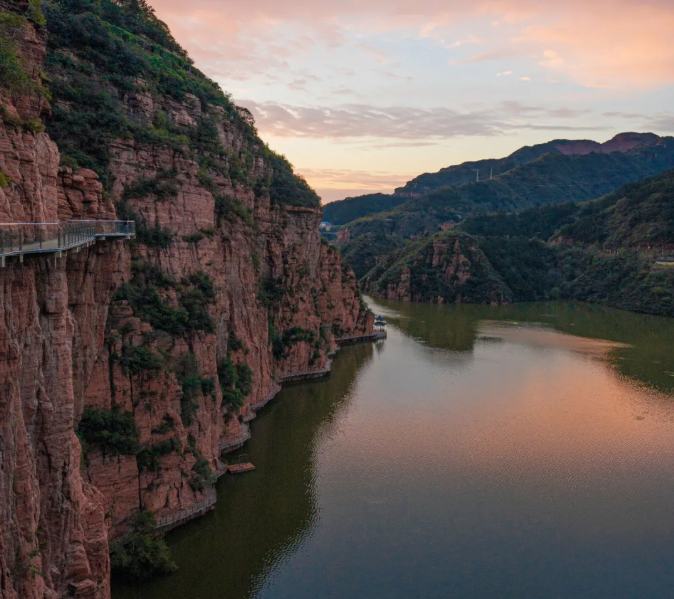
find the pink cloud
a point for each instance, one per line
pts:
(601, 42)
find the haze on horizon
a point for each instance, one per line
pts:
(361, 97)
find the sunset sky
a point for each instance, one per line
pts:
(363, 95)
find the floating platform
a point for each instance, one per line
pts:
(240, 468)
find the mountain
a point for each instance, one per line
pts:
(602, 251)
(551, 179)
(587, 172)
(344, 211)
(466, 173)
(127, 367)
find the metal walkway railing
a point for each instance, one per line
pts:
(166, 523)
(18, 239)
(233, 444)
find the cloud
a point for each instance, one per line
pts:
(349, 179)
(617, 41)
(413, 127)
(298, 85)
(622, 115)
(486, 56)
(363, 120)
(504, 74)
(525, 78)
(662, 122)
(374, 53)
(567, 113)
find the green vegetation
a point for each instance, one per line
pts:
(4, 180)
(550, 179)
(236, 382)
(194, 386)
(13, 75)
(363, 252)
(195, 295)
(138, 359)
(163, 186)
(438, 268)
(281, 343)
(149, 458)
(603, 252)
(203, 475)
(103, 51)
(35, 13)
(271, 293)
(639, 215)
(344, 211)
(167, 425)
(231, 209)
(141, 555)
(287, 187)
(113, 432)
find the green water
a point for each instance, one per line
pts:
(522, 452)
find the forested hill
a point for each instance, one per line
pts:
(467, 172)
(642, 217)
(344, 211)
(604, 251)
(550, 179)
(350, 209)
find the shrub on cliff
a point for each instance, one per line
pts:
(203, 474)
(287, 187)
(235, 382)
(141, 555)
(150, 458)
(13, 75)
(113, 432)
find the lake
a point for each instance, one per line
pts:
(522, 452)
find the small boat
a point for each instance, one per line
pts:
(240, 466)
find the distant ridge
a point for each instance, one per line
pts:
(555, 172)
(465, 173)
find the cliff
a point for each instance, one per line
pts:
(124, 368)
(446, 268)
(53, 313)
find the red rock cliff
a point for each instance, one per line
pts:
(52, 318)
(186, 333)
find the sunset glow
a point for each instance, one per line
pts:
(363, 96)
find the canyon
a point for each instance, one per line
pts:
(227, 290)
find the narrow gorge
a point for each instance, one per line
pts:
(125, 367)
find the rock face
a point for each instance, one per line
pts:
(225, 292)
(53, 313)
(446, 268)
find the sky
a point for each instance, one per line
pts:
(363, 95)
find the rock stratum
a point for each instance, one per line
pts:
(126, 366)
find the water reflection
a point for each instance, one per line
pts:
(643, 344)
(478, 453)
(261, 518)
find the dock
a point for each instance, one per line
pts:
(240, 468)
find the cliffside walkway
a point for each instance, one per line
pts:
(234, 444)
(20, 239)
(166, 523)
(380, 334)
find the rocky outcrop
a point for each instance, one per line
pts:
(446, 268)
